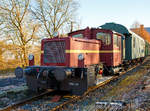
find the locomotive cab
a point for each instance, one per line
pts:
(111, 50)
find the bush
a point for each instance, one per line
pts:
(8, 70)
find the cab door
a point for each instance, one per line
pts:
(117, 50)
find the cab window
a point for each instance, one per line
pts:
(105, 37)
(116, 41)
(78, 36)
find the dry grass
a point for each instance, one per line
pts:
(125, 85)
(7, 71)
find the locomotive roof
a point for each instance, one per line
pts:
(96, 29)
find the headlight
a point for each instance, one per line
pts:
(30, 57)
(80, 57)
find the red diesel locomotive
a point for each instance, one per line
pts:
(76, 62)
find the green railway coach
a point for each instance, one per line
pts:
(134, 44)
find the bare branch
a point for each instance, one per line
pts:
(25, 10)
(17, 25)
(54, 14)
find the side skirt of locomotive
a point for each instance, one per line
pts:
(75, 80)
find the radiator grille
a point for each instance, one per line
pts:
(54, 52)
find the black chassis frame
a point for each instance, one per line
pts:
(77, 83)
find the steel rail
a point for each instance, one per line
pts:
(75, 98)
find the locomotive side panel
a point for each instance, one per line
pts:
(83, 52)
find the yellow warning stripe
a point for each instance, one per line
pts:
(82, 51)
(92, 51)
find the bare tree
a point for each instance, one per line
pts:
(1, 50)
(18, 26)
(55, 14)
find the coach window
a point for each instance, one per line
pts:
(78, 36)
(106, 38)
(133, 42)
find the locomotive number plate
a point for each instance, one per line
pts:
(73, 84)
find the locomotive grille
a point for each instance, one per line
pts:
(54, 52)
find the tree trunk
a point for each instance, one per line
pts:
(24, 56)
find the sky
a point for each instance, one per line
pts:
(94, 13)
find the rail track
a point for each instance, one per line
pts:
(69, 99)
(17, 104)
(88, 102)
(60, 107)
